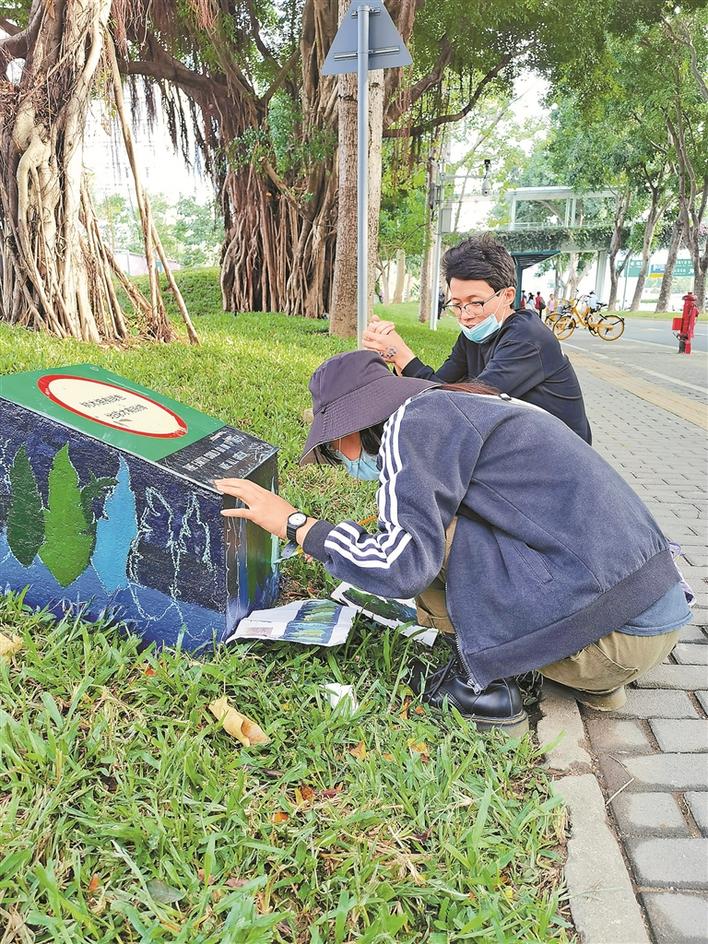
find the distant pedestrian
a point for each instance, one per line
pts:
(551, 307)
(539, 304)
(523, 301)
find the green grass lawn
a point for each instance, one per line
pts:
(128, 815)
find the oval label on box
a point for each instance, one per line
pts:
(112, 406)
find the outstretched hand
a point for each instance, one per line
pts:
(263, 507)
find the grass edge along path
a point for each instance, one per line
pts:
(127, 814)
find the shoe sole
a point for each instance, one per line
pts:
(514, 727)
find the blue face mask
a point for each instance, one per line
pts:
(480, 332)
(363, 468)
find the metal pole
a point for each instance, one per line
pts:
(435, 277)
(362, 254)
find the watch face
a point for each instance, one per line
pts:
(297, 519)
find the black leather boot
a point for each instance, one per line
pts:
(499, 705)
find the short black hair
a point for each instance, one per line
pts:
(480, 258)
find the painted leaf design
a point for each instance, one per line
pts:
(115, 532)
(67, 534)
(25, 522)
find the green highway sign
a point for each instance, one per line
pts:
(683, 268)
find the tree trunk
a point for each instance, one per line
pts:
(429, 245)
(57, 272)
(343, 315)
(655, 214)
(621, 209)
(400, 276)
(572, 283)
(667, 280)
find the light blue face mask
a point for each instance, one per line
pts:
(363, 468)
(480, 332)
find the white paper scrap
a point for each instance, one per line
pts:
(337, 693)
(423, 634)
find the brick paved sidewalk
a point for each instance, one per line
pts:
(652, 756)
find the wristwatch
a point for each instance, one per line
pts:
(296, 520)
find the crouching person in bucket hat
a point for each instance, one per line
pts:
(520, 543)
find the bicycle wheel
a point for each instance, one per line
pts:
(563, 327)
(609, 327)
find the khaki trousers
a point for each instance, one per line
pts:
(601, 668)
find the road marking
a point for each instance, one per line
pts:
(669, 347)
(696, 413)
(654, 373)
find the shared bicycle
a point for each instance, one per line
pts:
(576, 313)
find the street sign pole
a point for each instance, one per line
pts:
(366, 39)
(362, 183)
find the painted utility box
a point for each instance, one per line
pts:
(107, 505)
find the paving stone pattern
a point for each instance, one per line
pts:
(653, 754)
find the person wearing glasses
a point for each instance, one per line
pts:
(506, 348)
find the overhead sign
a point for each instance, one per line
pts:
(683, 268)
(386, 47)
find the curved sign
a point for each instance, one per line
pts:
(112, 406)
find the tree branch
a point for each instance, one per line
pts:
(457, 116)
(408, 97)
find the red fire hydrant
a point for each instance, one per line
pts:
(685, 325)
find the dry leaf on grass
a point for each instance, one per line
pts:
(420, 748)
(9, 645)
(279, 817)
(93, 885)
(303, 795)
(237, 725)
(359, 751)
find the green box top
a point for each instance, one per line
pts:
(108, 407)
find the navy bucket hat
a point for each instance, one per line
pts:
(354, 391)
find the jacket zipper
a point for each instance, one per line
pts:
(470, 674)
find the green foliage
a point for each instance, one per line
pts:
(68, 538)
(25, 522)
(189, 231)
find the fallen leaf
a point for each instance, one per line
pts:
(419, 710)
(404, 710)
(234, 882)
(148, 670)
(201, 874)
(420, 748)
(388, 757)
(359, 751)
(304, 794)
(165, 894)
(332, 792)
(280, 817)
(425, 836)
(93, 885)
(9, 645)
(238, 725)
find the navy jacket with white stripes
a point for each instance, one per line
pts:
(557, 551)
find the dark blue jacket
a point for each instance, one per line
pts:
(523, 359)
(559, 552)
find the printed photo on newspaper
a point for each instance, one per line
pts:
(392, 613)
(309, 622)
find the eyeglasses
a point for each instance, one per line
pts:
(470, 307)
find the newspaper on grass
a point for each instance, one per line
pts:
(396, 614)
(309, 622)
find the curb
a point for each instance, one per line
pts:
(600, 891)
